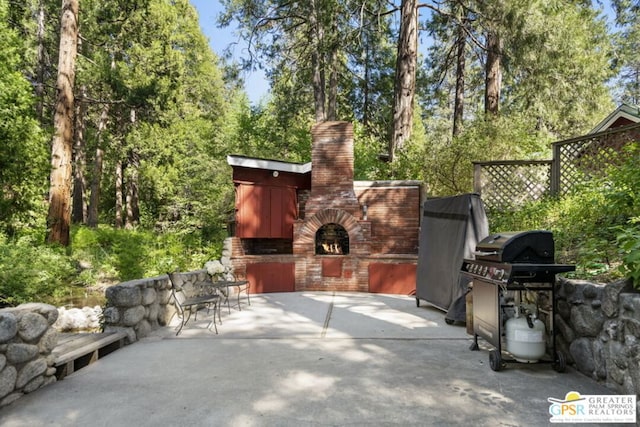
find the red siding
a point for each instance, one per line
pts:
(265, 177)
(389, 278)
(265, 211)
(622, 121)
(268, 277)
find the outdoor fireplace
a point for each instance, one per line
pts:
(332, 239)
(315, 228)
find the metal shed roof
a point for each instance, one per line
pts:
(269, 164)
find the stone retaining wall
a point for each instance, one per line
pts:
(29, 334)
(140, 306)
(599, 331)
(27, 338)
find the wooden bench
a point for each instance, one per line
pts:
(77, 350)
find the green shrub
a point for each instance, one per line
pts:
(578, 223)
(112, 255)
(624, 197)
(32, 272)
(629, 241)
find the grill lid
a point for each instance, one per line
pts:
(533, 247)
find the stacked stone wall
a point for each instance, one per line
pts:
(599, 331)
(29, 333)
(27, 340)
(139, 307)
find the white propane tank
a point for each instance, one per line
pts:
(525, 343)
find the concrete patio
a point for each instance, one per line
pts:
(304, 359)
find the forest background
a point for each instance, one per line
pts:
(127, 98)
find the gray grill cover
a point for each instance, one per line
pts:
(451, 227)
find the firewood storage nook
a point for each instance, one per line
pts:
(310, 226)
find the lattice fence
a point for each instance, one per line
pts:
(511, 183)
(580, 159)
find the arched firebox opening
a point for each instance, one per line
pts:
(332, 239)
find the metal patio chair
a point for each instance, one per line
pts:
(223, 287)
(186, 305)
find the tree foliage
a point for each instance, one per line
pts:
(556, 63)
(155, 99)
(23, 153)
(627, 19)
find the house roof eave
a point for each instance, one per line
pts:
(268, 164)
(627, 111)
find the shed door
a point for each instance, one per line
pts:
(390, 278)
(265, 212)
(268, 277)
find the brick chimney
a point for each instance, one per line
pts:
(332, 169)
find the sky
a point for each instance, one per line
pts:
(256, 84)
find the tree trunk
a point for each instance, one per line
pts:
(118, 207)
(133, 210)
(41, 65)
(365, 90)
(635, 94)
(318, 79)
(405, 79)
(96, 186)
(493, 74)
(94, 200)
(332, 102)
(332, 61)
(458, 107)
(133, 166)
(318, 89)
(59, 215)
(79, 208)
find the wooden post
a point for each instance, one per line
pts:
(477, 178)
(555, 171)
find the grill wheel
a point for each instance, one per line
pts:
(495, 360)
(560, 364)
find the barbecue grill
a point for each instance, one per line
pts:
(506, 265)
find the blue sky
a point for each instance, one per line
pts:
(220, 38)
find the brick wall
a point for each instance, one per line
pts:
(332, 170)
(393, 210)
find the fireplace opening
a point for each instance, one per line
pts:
(332, 239)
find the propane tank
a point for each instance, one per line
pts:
(525, 338)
